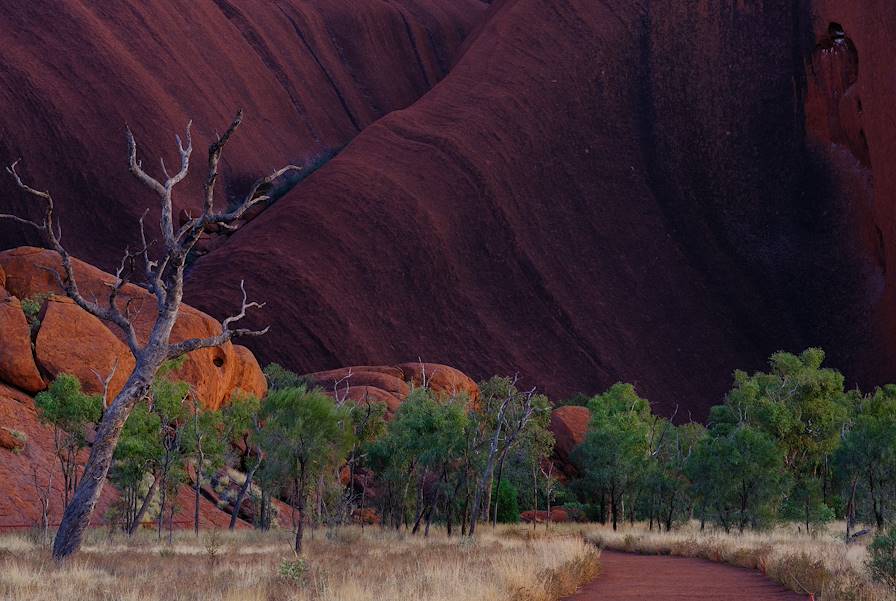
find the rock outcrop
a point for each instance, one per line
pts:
(17, 366)
(391, 384)
(580, 192)
(71, 340)
(569, 425)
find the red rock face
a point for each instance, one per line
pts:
(17, 366)
(309, 75)
(657, 192)
(72, 341)
(31, 461)
(569, 425)
(851, 125)
(390, 385)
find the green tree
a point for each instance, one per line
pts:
(506, 418)
(136, 460)
(280, 378)
(70, 412)
(803, 407)
(614, 456)
(169, 402)
(738, 477)
(305, 434)
(205, 447)
(424, 441)
(866, 459)
(242, 430)
(508, 510)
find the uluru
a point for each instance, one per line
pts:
(300, 297)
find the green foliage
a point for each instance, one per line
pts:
(31, 307)
(305, 429)
(293, 570)
(789, 443)
(305, 435)
(738, 477)
(866, 459)
(71, 412)
(615, 454)
(882, 558)
(508, 508)
(65, 406)
(280, 378)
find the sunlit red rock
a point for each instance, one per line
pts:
(72, 340)
(569, 425)
(17, 366)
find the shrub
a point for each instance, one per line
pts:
(293, 570)
(882, 558)
(31, 308)
(508, 507)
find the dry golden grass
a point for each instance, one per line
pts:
(821, 564)
(346, 564)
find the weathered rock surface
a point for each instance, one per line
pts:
(309, 75)
(391, 385)
(598, 191)
(569, 425)
(71, 340)
(657, 191)
(17, 366)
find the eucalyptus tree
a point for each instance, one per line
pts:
(305, 434)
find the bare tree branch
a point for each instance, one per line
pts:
(186, 346)
(164, 276)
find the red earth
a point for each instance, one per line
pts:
(578, 192)
(630, 577)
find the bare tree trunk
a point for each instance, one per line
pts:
(300, 506)
(76, 518)
(138, 517)
(851, 507)
(500, 475)
(244, 489)
(196, 500)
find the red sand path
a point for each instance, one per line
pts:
(626, 576)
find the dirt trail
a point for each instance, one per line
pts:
(626, 576)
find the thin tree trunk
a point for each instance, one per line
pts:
(300, 505)
(196, 500)
(77, 514)
(244, 489)
(498, 497)
(138, 517)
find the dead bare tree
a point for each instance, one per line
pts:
(164, 278)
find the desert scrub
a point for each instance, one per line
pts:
(293, 570)
(821, 564)
(505, 564)
(882, 558)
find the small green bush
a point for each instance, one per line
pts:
(293, 570)
(882, 558)
(31, 308)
